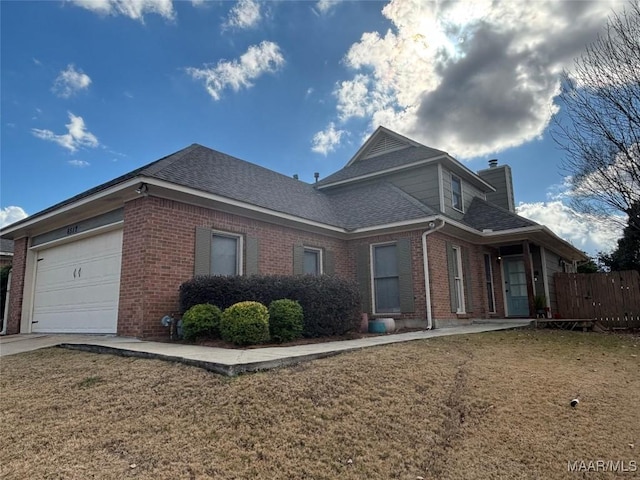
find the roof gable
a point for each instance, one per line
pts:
(380, 142)
(384, 143)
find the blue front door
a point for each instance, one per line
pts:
(516, 287)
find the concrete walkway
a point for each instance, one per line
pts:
(225, 360)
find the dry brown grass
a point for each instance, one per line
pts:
(483, 406)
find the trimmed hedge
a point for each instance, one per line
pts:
(285, 320)
(201, 320)
(245, 323)
(331, 305)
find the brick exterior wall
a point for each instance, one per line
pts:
(439, 276)
(158, 255)
(17, 285)
(415, 238)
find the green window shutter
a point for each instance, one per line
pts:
(451, 259)
(251, 256)
(202, 263)
(405, 275)
(329, 261)
(468, 280)
(363, 273)
(298, 259)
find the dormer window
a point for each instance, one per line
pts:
(456, 192)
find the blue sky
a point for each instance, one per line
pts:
(92, 89)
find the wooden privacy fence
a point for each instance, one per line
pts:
(612, 298)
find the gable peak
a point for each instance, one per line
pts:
(380, 142)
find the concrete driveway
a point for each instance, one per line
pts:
(14, 344)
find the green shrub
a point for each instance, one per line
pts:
(285, 320)
(201, 320)
(331, 305)
(245, 323)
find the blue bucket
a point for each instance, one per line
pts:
(377, 326)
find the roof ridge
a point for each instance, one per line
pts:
(158, 165)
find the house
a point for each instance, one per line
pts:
(6, 252)
(429, 242)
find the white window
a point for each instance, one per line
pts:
(456, 192)
(312, 261)
(386, 279)
(458, 279)
(488, 272)
(226, 258)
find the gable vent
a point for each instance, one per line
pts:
(385, 143)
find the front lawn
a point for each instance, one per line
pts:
(493, 405)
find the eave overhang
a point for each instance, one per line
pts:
(117, 195)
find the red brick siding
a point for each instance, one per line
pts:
(159, 252)
(417, 267)
(158, 256)
(439, 276)
(17, 285)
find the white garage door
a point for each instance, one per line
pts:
(78, 286)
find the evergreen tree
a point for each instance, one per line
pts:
(627, 255)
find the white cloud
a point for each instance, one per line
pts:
(327, 140)
(236, 74)
(325, 6)
(70, 82)
(586, 232)
(244, 14)
(78, 163)
(77, 135)
(134, 9)
(11, 214)
(471, 77)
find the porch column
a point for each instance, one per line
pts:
(528, 271)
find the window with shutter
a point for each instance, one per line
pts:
(218, 253)
(456, 280)
(386, 278)
(312, 261)
(456, 193)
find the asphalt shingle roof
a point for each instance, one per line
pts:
(376, 204)
(484, 215)
(215, 172)
(392, 159)
(359, 206)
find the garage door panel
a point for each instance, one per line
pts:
(78, 286)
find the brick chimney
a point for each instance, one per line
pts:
(499, 177)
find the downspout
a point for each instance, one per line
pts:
(433, 227)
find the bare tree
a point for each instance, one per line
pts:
(599, 128)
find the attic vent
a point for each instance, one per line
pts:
(384, 144)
